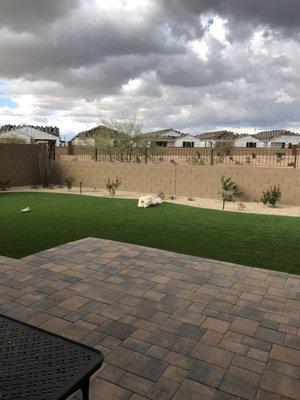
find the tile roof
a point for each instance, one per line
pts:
(32, 133)
(53, 130)
(221, 135)
(98, 130)
(274, 134)
(164, 135)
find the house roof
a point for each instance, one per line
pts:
(220, 135)
(30, 132)
(165, 134)
(243, 135)
(98, 130)
(53, 130)
(267, 135)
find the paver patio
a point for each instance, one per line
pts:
(171, 326)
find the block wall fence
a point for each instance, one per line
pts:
(19, 165)
(182, 180)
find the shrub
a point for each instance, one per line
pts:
(4, 185)
(223, 149)
(230, 190)
(196, 159)
(241, 206)
(279, 156)
(272, 196)
(112, 185)
(68, 181)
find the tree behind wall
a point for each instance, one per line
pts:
(223, 149)
(122, 140)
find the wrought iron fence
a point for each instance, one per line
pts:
(256, 157)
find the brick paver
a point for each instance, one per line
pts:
(171, 326)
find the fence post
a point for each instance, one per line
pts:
(211, 156)
(70, 149)
(295, 156)
(95, 153)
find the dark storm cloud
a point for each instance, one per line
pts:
(276, 13)
(29, 14)
(161, 60)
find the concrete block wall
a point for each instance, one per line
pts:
(19, 164)
(182, 180)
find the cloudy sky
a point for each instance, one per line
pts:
(194, 65)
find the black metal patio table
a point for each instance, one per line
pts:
(40, 365)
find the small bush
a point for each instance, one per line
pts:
(272, 196)
(196, 159)
(230, 190)
(291, 164)
(112, 185)
(68, 181)
(279, 156)
(4, 185)
(241, 206)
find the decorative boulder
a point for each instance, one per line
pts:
(147, 201)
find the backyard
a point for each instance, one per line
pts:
(256, 240)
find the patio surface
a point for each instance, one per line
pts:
(171, 326)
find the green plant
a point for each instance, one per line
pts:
(223, 149)
(196, 159)
(112, 185)
(279, 156)
(68, 181)
(230, 190)
(241, 206)
(4, 185)
(272, 196)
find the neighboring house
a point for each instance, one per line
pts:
(246, 140)
(31, 134)
(209, 139)
(187, 141)
(53, 130)
(172, 138)
(278, 138)
(87, 138)
(164, 137)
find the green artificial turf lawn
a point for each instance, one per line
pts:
(250, 239)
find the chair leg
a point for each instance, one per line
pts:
(85, 390)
